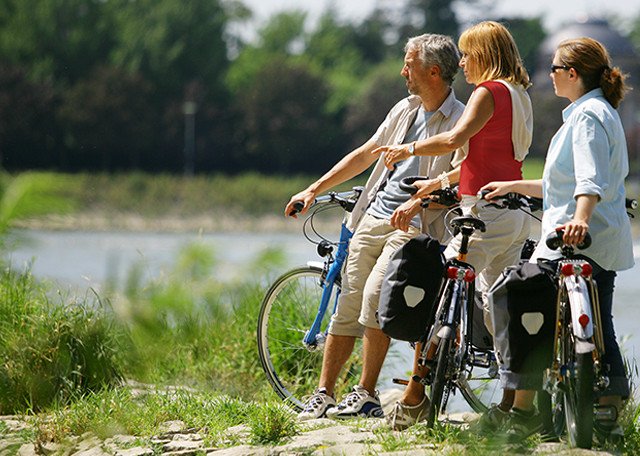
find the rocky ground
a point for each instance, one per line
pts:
(317, 437)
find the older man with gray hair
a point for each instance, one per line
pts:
(430, 64)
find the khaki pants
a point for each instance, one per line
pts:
(495, 249)
(371, 247)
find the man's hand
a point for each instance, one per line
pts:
(393, 154)
(307, 197)
(402, 216)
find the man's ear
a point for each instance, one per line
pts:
(434, 70)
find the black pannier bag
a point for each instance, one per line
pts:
(410, 288)
(523, 302)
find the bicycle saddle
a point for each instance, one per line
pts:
(472, 222)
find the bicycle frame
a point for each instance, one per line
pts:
(577, 294)
(332, 267)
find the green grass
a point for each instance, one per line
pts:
(110, 412)
(162, 195)
(51, 348)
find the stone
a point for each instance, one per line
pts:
(172, 427)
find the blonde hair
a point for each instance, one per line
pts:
(591, 61)
(494, 52)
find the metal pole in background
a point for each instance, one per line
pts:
(189, 108)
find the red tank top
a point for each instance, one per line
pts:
(490, 155)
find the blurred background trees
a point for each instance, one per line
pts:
(114, 85)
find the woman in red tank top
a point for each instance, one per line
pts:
(495, 130)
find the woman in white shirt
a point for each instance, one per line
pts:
(583, 190)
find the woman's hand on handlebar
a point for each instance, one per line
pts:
(425, 187)
(402, 216)
(574, 232)
(305, 197)
(495, 189)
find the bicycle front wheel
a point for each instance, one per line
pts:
(287, 313)
(440, 380)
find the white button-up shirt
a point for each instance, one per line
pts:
(588, 156)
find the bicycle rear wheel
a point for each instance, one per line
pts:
(578, 395)
(287, 313)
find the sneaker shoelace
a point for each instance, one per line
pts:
(314, 402)
(353, 397)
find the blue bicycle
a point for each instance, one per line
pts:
(290, 350)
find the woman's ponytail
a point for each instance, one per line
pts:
(612, 82)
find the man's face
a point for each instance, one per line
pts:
(414, 72)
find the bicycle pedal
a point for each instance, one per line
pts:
(401, 381)
(422, 380)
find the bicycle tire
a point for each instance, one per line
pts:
(578, 378)
(479, 382)
(578, 402)
(286, 314)
(480, 387)
(439, 381)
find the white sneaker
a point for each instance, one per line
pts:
(358, 403)
(317, 405)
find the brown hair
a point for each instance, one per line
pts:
(591, 61)
(492, 48)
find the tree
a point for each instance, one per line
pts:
(171, 42)
(27, 129)
(109, 121)
(383, 88)
(528, 34)
(286, 128)
(56, 41)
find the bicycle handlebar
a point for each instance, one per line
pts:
(446, 196)
(513, 200)
(345, 199)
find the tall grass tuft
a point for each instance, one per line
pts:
(52, 351)
(272, 423)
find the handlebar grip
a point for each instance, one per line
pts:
(297, 207)
(482, 193)
(631, 203)
(406, 184)
(554, 241)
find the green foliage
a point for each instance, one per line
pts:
(56, 40)
(52, 351)
(272, 423)
(528, 33)
(171, 42)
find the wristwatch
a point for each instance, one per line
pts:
(412, 148)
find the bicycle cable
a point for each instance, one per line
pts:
(309, 225)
